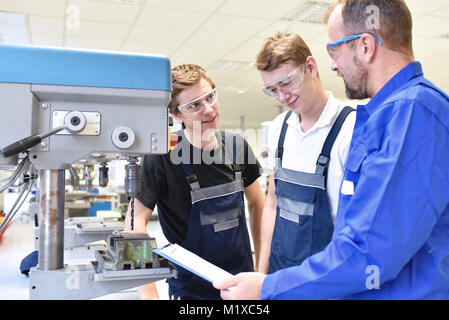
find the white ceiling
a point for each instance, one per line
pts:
(207, 31)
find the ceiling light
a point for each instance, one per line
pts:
(234, 89)
(309, 11)
(126, 1)
(13, 28)
(231, 65)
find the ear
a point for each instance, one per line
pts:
(177, 116)
(368, 48)
(312, 67)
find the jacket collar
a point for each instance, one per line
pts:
(396, 83)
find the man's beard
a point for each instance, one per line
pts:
(359, 82)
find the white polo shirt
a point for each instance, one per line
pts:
(302, 149)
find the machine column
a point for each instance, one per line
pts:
(51, 233)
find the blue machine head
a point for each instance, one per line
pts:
(113, 104)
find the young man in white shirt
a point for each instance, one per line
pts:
(308, 146)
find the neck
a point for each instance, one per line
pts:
(383, 73)
(311, 116)
(205, 140)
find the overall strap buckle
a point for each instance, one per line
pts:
(322, 164)
(191, 178)
(236, 167)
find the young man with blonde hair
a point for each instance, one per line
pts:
(308, 146)
(199, 188)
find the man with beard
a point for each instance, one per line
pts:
(391, 237)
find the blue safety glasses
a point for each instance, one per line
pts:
(350, 38)
(332, 45)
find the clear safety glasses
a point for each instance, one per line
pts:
(196, 105)
(286, 84)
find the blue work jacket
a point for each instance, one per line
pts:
(391, 235)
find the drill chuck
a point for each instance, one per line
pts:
(132, 179)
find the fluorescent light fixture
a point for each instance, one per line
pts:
(13, 28)
(234, 89)
(309, 11)
(127, 1)
(231, 65)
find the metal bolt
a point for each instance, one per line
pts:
(45, 105)
(43, 144)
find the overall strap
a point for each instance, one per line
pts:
(324, 158)
(191, 177)
(230, 139)
(280, 149)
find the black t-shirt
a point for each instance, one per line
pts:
(164, 183)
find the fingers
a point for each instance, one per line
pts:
(227, 294)
(226, 283)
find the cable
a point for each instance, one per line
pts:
(8, 215)
(17, 173)
(14, 209)
(20, 205)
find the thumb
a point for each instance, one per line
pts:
(226, 283)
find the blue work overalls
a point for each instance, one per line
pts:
(217, 232)
(303, 224)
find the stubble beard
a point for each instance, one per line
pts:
(358, 88)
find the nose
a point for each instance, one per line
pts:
(282, 96)
(207, 108)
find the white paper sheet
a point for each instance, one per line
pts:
(193, 263)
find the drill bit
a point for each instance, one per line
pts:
(132, 213)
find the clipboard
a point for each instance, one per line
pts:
(192, 262)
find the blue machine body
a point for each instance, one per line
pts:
(72, 67)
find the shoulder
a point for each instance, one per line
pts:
(275, 126)
(229, 138)
(343, 141)
(421, 102)
(348, 125)
(278, 121)
(151, 160)
(421, 90)
(425, 97)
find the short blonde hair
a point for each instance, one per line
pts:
(184, 76)
(282, 48)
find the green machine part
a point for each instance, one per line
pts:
(129, 251)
